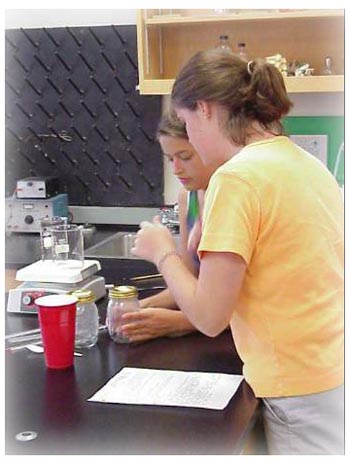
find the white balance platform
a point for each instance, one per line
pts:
(48, 271)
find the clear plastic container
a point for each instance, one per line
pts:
(122, 299)
(87, 319)
(224, 43)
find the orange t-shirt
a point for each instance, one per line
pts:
(281, 210)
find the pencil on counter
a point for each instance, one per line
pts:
(146, 277)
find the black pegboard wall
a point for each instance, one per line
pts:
(72, 110)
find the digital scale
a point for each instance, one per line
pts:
(47, 277)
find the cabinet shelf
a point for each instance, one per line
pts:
(312, 84)
(167, 41)
(178, 19)
(315, 84)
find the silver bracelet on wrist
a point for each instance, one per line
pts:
(165, 257)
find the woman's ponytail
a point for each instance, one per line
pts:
(266, 96)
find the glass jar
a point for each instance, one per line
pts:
(87, 319)
(122, 299)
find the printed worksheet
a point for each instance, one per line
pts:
(169, 388)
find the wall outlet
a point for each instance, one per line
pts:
(316, 144)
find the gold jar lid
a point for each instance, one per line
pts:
(117, 292)
(84, 295)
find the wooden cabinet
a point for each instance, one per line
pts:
(168, 38)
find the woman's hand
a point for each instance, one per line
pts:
(149, 323)
(152, 241)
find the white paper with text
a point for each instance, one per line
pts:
(169, 388)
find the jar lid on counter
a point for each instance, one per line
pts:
(123, 292)
(84, 295)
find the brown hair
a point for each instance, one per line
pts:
(170, 125)
(253, 91)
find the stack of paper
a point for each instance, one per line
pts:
(169, 388)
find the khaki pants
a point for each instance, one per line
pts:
(305, 425)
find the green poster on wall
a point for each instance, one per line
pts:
(333, 128)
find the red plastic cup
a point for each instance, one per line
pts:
(57, 315)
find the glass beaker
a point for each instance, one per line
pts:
(46, 225)
(68, 245)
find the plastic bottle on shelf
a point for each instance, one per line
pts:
(87, 319)
(242, 52)
(224, 43)
(122, 299)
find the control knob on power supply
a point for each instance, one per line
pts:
(29, 219)
(27, 299)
